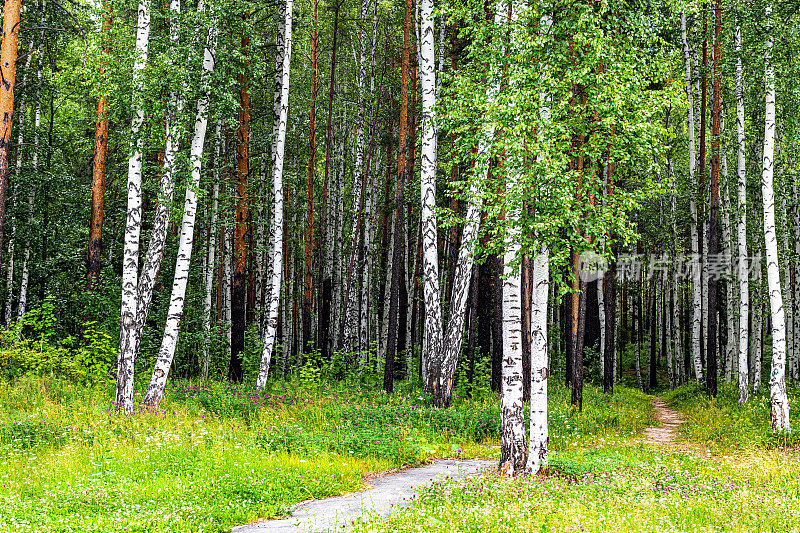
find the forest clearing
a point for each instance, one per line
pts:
(217, 456)
(418, 265)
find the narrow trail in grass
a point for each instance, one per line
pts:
(666, 433)
(386, 494)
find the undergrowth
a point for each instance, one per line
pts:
(723, 425)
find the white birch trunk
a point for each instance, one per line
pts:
(133, 225)
(538, 443)
(756, 337)
(277, 212)
(158, 237)
(10, 276)
(512, 413)
(37, 121)
(17, 171)
(602, 320)
(462, 275)
(212, 249)
(777, 380)
(727, 252)
(741, 222)
(22, 305)
(696, 277)
(169, 342)
(511, 408)
(430, 253)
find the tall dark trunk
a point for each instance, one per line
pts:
(525, 290)
(610, 308)
(713, 204)
(325, 287)
(239, 290)
(702, 157)
(308, 264)
(99, 166)
(591, 336)
(497, 322)
(484, 312)
(652, 378)
(399, 222)
(566, 333)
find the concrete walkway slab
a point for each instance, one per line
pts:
(386, 495)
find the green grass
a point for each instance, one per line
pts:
(624, 489)
(218, 455)
(730, 473)
(724, 426)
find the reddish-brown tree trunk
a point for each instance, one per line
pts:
(239, 290)
(397, 252)
(99, 166)
(713, 205)
(8, 78)
(308, 263)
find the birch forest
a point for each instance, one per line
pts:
(513, 238)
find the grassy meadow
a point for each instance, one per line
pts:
(218, 455)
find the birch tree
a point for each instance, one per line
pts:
(128, 343)
(777, 380)
(696, 278)
(170, 340)
(741, 224)
(270, 330)
(430, 254)
(538, 443)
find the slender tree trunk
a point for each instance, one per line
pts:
(169, 342)
(308, 264)
(694, 236)
(326, 285)
(158, 236)
(777, 380)
(512, 415)
(652, 375)
(538, 443)
(609, 304)
(99, 164)
(212, 249)
(128, 344)
(239, 289)
(712, 357)
(432, 345)
(277, 254)
(397, 249)
(8, 62)
(638, 328)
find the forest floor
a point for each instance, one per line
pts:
(687, 473)
(219, 455)
(384, 495)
